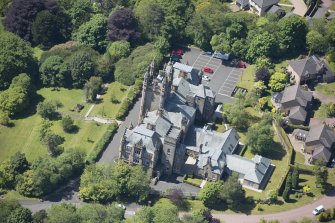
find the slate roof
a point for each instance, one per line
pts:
(320, 134)
(265, 3)
(214, 145)
(321, 153)
(161, 123)
(276, 9)
(310, 65)
(296, 94)
(183, 67)
(140, 134)
(185, 88)
(253, 170)
(298, 113)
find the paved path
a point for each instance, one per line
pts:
(284, 217)
(323, 98)
(112, 151)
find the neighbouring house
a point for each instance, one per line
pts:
(166, 140)
(187, 72)
(309, 70)
(260, 6)
(294, 102)
(277, 10)
(253, 173)
(319, 143)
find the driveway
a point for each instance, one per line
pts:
(112, 151)
(327, 201)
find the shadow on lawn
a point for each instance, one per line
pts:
(31, 110)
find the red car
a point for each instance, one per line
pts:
(208, 70)
(241, 65)
(178, 52)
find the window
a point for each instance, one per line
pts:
(168, 151)
(136, 161)
(138, 151)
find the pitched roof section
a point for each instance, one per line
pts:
(253, 170)
(265, 3)
(310, 65)
(320, 134)
(296, 94)
(321, 153)
(298, 113)
(183, 67)
(185, 88)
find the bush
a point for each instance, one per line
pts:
(47, 109)
(332, 213)
(68, 124)
(4, 119)
(102, 143)
(286, 194)
(323, 217)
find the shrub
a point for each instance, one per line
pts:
(68, 124)
(4, 119)
(286, 194)
(323, 217)
(102, 143)
(332, 213)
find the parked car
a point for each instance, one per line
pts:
(205, 78)
(241, 64)
(318, 210)
(178, 52)
(207, 53)
(208, 70)
(221, 56)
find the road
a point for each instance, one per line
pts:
(112, 151)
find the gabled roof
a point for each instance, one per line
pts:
(183, 67)
(298, 113)
(321, 134)
(253, 170)
(185, 88)
(296, 94)
(321, 153)
(265, 3)
(310, 65)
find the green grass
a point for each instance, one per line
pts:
(193, 181)
(68, 97)
(285, 2)
(299, 158)
(326, 89)
(321, 112)
(24, 135)
(107, 108)
(247, 79)
(37, 53)
(14, 195)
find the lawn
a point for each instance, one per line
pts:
(287, 2)
(24, 135)
(193, 181)
(326, 89)
(247, 79)
(68, 97)
(107, 108)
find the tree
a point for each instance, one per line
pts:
(68, 124)
(3, 6)
(80, 11)
(295, 178)
(316, 42)
(63, 213)
(209, 193)
(4, 119)
(262, 45)
(262, 74)
(122, 26)
(20, 16)
(20, 215)
(54, 72)
(220, 43)
(52, 141)
(292, 34)
(144, 215)
(233, 193)
(259, 87)
(263, 62)
(16, 56)
(46, 29)
(151, 17)
(165, 213)
(18, 163)
(236, 115)
(47, 109)
(92, 88)
(93, 33)
(278, 81)
(176, 196)
(259, 138)
(101, 213)
(272, 196)
(7, 207)
(286, 194)
(82, 67)
(321, 175)
(40, 216)
(119, 49)
(7, 178)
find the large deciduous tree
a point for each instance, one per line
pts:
(262, 45)
(119, 49)
(122, 26)
(20, 215)
(54, 72)
(93, 33)
(278, 81)
(259, 138)
(16, 56)
(316, 42)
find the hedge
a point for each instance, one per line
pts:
(129, 101)
(293, 126)
(95, 154)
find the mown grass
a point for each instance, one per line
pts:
(24, 135)
(326, 89)
(108, 108)
(247, 80)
